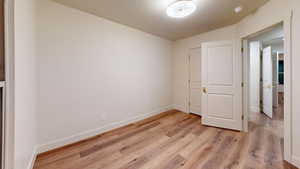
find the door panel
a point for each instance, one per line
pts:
(267, 77)
(217, 66)
(221, 85)
(224, 108)
(195, 81)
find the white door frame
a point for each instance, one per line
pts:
(287, 85)
(9, 93)
(189, 79)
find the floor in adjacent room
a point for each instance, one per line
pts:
(175, 140)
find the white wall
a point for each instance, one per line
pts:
(25, 83)
(270, 14)
(180, 62)
(278, 48)
(95, 74)
(269, 35)
(296, 82)
(254, 86)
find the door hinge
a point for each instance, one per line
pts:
(242, 117)
(242, 84)
(242, 49)
(189, 103)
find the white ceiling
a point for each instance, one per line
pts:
(150, 15)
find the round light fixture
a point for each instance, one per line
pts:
(180, 9)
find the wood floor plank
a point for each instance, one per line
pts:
(199, 157)
(160, 149)
(113, 141)
(235, 159)
(174, 163)
(107, 151)
(272, 155)
(69, 150)
(220, 155)
(137, 158)
(175, 140)
(197, 143)
(255, 153)
(169, 153)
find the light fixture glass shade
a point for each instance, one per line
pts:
(180, 9)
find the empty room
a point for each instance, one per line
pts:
(150, 84)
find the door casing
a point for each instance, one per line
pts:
(194, 86)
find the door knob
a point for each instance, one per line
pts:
(204, 90)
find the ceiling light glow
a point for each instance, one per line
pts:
(181, 9)
(238, 9)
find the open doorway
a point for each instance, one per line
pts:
(266, 107)
(266, 76)
(265, 73)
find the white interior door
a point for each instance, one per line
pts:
(195, 81)
(254, 81)
(267, 80)
(221, 84)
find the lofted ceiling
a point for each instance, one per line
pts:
(150, 15)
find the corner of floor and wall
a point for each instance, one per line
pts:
(74, 80)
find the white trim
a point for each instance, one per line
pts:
(189, 80)
(2, 85)
(188, 110)
(94, 132)
(295, 161)
(288, 89)
(246, 70)
(32, 159)
(9, 74)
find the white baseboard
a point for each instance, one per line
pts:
(87, 134)
(180, 108)
(32, 159)
(296, 161)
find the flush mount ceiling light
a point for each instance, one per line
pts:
(180, 9)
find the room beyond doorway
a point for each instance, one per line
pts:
(266, 76)
(280, 102)
(266, 57)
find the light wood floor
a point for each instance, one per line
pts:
(175, 140)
